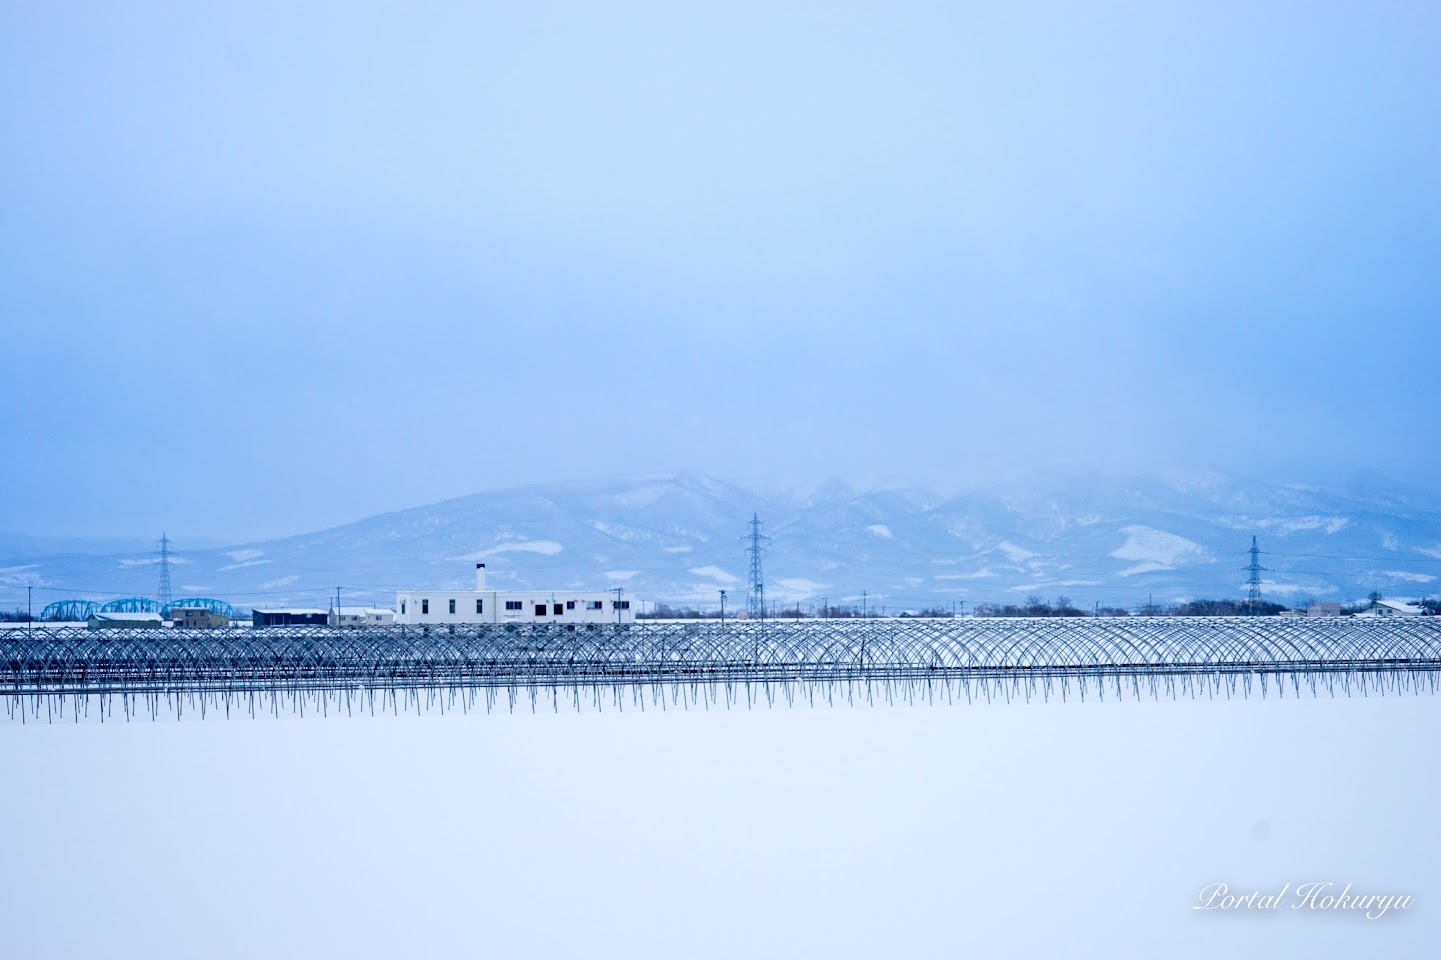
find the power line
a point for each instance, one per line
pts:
(1330, 556)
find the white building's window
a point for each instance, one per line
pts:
(452, 606)
(424, 606)
(620, 604)
(540, 609)
(513, 605)
(594, 605)
(402, 608)
(570, 604)
(479, 606)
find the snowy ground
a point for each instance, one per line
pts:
(1043, 830)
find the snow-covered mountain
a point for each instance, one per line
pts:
(683, 538)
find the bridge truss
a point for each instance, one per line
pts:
(132, 605)
(203, 603)
(710, 663)
(69, 610)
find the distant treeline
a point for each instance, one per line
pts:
(1033, 607)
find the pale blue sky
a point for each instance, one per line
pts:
(269, 267)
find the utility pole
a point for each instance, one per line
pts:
(863, 604)
(337, 606)
(825, 607)
(723, 605)
(617, 603)
(29, 610)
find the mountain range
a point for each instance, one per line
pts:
(680, 539)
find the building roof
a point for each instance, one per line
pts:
(563, 593)
(294, 611)
(130, 617)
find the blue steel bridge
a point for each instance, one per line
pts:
(82, 609)
(49, 673)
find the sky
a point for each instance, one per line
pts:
(272, 267)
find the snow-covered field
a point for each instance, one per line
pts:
(1040, 830)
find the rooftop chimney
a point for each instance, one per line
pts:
(479, 577)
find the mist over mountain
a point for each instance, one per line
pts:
(682, 538)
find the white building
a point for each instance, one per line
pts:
(512, 606)
(1390, 608)
(360, 617)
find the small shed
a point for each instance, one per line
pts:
(361, 617)
(294, 617)
(124, 621)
